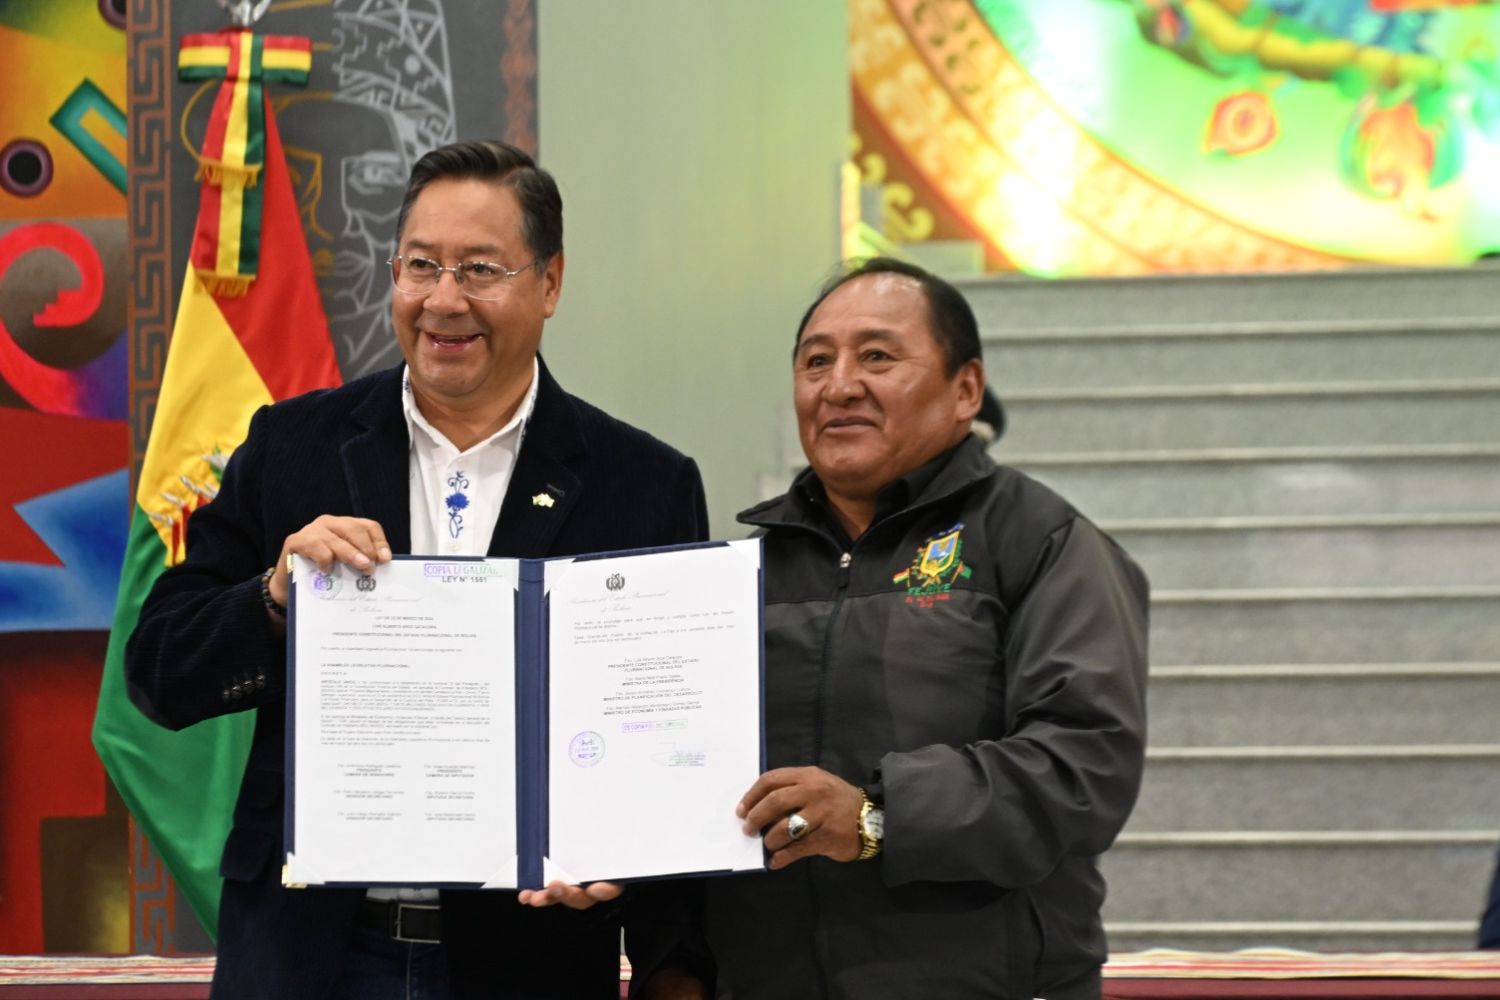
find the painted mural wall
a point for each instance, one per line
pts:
(1076, 137)
(64, 448)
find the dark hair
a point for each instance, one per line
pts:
(948, 313)
(502, 163)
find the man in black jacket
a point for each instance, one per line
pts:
(955, 686)
(471, 449)
(1489, 920)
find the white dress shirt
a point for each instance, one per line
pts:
(456, 496)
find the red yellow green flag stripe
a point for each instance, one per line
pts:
(226, 241)
(229, 355)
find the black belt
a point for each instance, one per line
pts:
(415, 923)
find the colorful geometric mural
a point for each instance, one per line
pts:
(1072, 137)
(64, 496)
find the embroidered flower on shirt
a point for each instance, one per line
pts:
(457, 502)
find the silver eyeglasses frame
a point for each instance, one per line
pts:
(502, 274)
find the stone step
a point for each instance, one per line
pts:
(1296, 877)
(1302, 935)
(1242, 482)
(1326, 663)
(1245, 416)
(1333, 625)
(1012, 304)
(1329, 551)
(1442, 787)
(1332, 704)
(1288, 352)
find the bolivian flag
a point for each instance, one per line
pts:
(235, 346)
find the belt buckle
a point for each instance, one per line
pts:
(397, 928)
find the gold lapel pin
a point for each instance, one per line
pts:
(542, 500)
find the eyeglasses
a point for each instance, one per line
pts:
(478, 279)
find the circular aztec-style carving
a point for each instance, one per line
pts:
(25, 168)
(113, 11)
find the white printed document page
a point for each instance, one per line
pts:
(655, 712)
(404, 704)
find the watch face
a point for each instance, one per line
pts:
(874, 824)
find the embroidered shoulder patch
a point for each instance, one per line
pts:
(938, 562)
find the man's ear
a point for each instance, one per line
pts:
(552, 277)
(968, 383)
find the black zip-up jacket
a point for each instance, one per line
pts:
(979, 657)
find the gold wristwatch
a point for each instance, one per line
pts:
(871, 828)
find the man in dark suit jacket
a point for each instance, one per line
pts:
(330, 476)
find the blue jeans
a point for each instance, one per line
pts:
(379, 968)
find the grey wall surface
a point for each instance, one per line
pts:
(698, 148)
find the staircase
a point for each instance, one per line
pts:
(1308, 468)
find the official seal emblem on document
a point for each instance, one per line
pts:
(615, 582)
(586, 749)
(938, 563)
(327, 585)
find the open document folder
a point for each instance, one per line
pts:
(502, 722)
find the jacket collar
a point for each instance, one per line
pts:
(544, 487)
(804, 503)
(374, 460)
